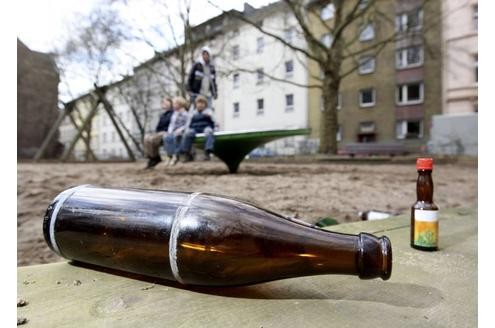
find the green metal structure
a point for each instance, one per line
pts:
(232, 147)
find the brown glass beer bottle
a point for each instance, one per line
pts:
(424, 213)
(202, 239)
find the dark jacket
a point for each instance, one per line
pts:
(200, 121)
(195, 77)
(164, 121)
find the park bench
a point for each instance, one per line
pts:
(373, 148)
(233, 146)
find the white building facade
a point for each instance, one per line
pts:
(460, 56)
(251, 70)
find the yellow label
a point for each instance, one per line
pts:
(425, 228)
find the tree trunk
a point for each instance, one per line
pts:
(329, 121)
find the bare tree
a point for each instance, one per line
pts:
(94, 51)
(336, 53)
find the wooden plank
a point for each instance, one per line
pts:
(83, 127)
(109, 109)
(41, 151)
(433, 289)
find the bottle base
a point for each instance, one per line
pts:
(422, 248)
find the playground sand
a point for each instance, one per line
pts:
(310, 191)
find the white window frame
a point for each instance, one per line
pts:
(325, 37)
(402, 20)
(327, 12)
(236, 52)
(260, 77)
(236, 80)
(404, 88)
(291, 72)
(366, 28)
(339, 133)
(366, 60)
(238, 112)
(475, 17)
(260, 111)
(289, 108)
(401, 129)
(401, 58)
(371, 129)
(365, 105)
(260, 45)
(289, 34)
(363, 4)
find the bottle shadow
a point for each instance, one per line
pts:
(347, 289)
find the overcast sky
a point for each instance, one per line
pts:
(44, 25)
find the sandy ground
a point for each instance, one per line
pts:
(312, 190)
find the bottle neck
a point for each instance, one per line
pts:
(424, 186)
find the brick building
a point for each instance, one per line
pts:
(37, 97)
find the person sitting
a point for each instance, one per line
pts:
(153, 141)
(176, 129)
(201, 121)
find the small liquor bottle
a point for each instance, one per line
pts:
(424, 213)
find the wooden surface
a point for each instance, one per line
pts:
(427, 289)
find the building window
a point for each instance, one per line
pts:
(410, 94)
(339, 133)
(476, 68)
(289, 68)
(409, 21)
(327, 40)
(367, 97)
(259, 76)
(366, 64)
(289, 102)
(235, 52)
(236, 80)
(327, 12)
(104, 152)
(260, 44)
(260, 106)
(235, 32)
(366, 132)
(409, 57)
(236, 109)
(104, 137)
(409, 129)
(475, 17)
(367, 33)
(113, 137)
(288, 34)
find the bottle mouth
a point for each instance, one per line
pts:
(374, 258)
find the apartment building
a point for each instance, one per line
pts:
(251, 68)
(460, 56)
(392, 95)
(252, 88)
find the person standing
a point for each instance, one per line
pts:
(202, 78)
(153, 141)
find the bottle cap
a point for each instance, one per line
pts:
(424, 164)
